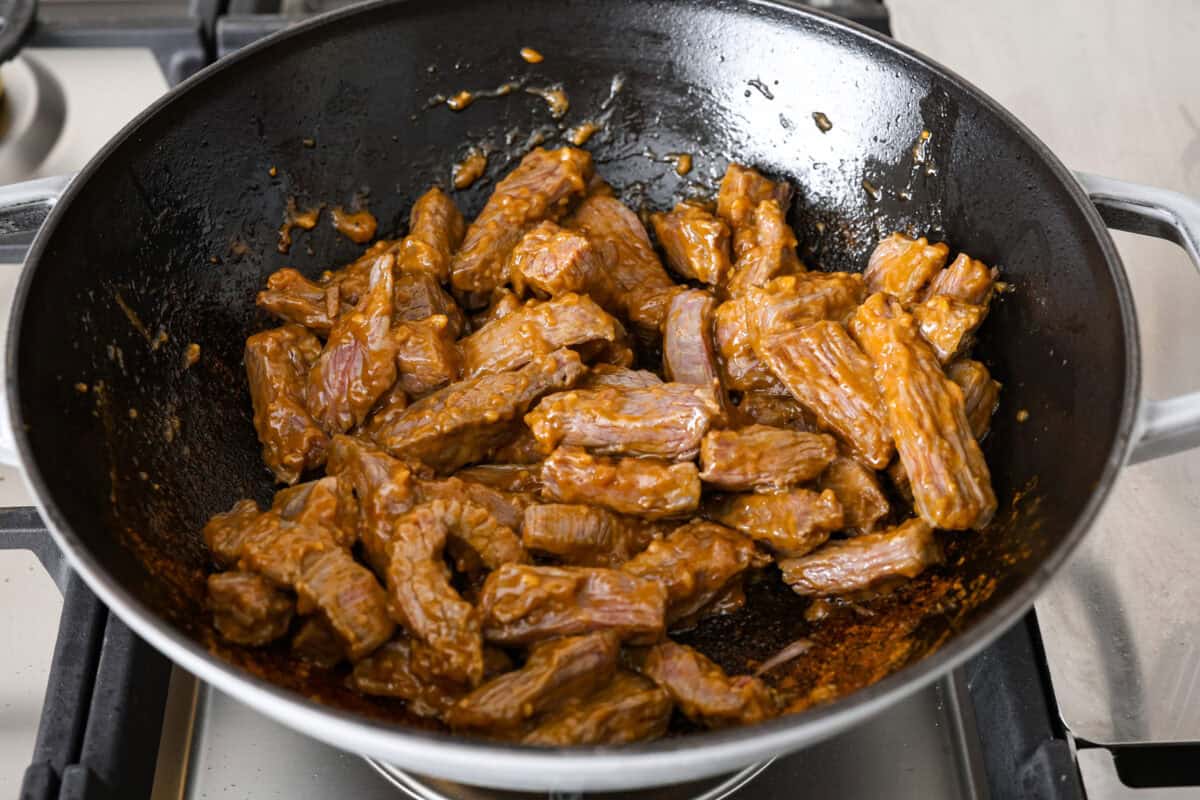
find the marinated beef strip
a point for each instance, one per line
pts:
(247, 608)
(948, 325)
(351, 281)
(426, 355)
(326, 503)
(350, 600)
(688, 351)
(695, 563)
(643, 487)
(317, 643)
(514, 340)
(502, 303)
(383, 487)
(951, 486)
(550, 261)
(435, 230)
(506, 507)
(389, 672)
(358, 363)
(618, 377)
(859, 493)
(424, 602)
(864, 563)
(291, 297)
(629, 708)
(666, 421)
(522, 448)
(461, 423)
(542, 187)
(585, 536)
(790, 522)
(901, 266)
(387, 408)
(778, 411)
(277, 364)
(793, 301)
(981, 394)
(417, 296)
(554, 673)
(696, 243)
(965, 280)
(503, 478)
(474, 525)
(742, 191)
(827, 374)
(522, 604)
(762, 457)
(626, 254)
(772, 255)
(741, 371)
(702, 690)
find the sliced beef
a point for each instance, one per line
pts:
(778, 411)
(702, 690)
(550, 261)
(981, 394)
(689, 354)
(318, 643)
(585, 536)
(327, 503)
(629, 708)
(618, 377)
(695, 241)
(435, 230)
(383, 487)
(858, 491)
(772, 255)
(644, 487)
(965, 280)
(389, 672)
(349, 598)
(790, 522)
(763, 457)
(426, 355)
(291, 297)
(948, 325)
(417, 296)
(247, 608)
(901, 266)
(865, 562)
(742, 191)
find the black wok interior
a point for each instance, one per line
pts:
(179, 221)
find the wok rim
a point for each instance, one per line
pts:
(593, 768)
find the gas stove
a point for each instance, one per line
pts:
(1090, 696)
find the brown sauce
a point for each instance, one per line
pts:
(556, 99)
(531, 56)
(470, 169)
(357, 226)
(580, 134)
(295, 218)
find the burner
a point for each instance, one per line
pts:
(419, 787)
(32, 112)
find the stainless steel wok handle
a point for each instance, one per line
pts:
(1172, 425)
(23, 209)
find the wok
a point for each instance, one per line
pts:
(163, 239)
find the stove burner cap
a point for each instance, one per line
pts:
(16, 23)
(420, 787)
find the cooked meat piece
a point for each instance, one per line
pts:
(550, 261)
(384, 489)
(965, 280)
(554, 673)
(502, 303)
(694, 564)
(508, 508)
(226, 533)
(349, 598)
(418, 295)
(790, 522)
(625, 251)
(426, 355)
(585, 536)
(619, 377)
(277, 364)
(435, 230)
(901, 266)
(827, 373)
(667, 421)
(778, 411)
(981, 394)
(794, 301)
(864, 562)
(522, 604)
(523, 448)
(729, 600)
(702, 690)
(327, 503)
(649, 307)
(518, 478)
(352, 280)
(696, 243)
(386, 410)
(291, 297)
(688, 354)
(541, 187)
(317, 643)
(741, 192)
(388, 672)
(629, 709)
(762, 457)
(358, 363)
(857, 489)
(247, 609)
(425, 603)
(474, 525)
(516, 339)
(741, 370)
(948, 325)
(951, 486)
(460, 424)
(773, 253)
(644, 487)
